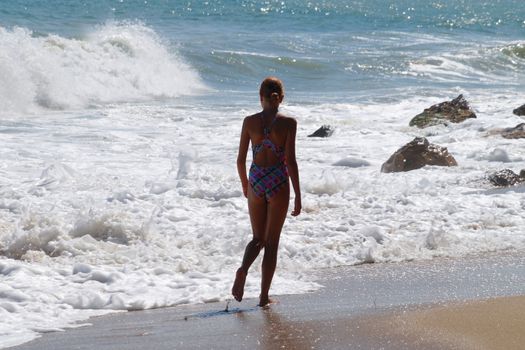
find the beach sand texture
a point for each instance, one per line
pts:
(468, 303)
(485, 324)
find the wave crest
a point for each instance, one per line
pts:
(516, 50)
(115, 63)
(494, 63)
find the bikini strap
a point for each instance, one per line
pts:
(268, 129)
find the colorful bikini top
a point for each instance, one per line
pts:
(266, 142)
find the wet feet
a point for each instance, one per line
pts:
(265, 301)
(238, 285)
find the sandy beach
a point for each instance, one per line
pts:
(467, 303)
(496, 323)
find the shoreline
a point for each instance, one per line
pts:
(355, 308)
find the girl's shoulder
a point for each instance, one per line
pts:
(284, 120)
(252, 118)
(287, 121)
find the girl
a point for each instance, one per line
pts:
(267, 188)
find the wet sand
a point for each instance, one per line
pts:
(438, 304)
(497, 323)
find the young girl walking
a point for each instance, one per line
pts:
(267, 187)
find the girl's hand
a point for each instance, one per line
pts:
(245, 190)
(297, 207)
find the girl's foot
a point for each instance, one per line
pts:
(238, 285)
(265, 301)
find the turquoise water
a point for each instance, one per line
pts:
(332, 49)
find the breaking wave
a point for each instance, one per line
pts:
(114, 63)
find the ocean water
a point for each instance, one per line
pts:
(119, 126)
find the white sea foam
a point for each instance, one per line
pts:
(111, 213)
(491, 63)
(352, 162)
(114, 63)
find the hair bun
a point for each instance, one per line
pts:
(270, 87)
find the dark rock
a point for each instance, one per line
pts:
(517, 132)
(455, 111)
(416, 154)
(323, 131)
(519, 110)
(506, 177)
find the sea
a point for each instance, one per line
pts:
(120, 124)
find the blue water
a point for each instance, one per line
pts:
(322, 49)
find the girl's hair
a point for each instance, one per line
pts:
(271, 86)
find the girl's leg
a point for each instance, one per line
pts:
(257, 208)
(276, 214)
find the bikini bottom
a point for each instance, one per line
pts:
(267, 181)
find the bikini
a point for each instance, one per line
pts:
(267, 181)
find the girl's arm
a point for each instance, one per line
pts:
(291, 164)
(241, 157)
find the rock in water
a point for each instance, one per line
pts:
(416, 154)
(323, 131)
(517, 132)
(519, 111)
(506, 177)
(455, 111)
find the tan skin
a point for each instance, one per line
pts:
(267, 217)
